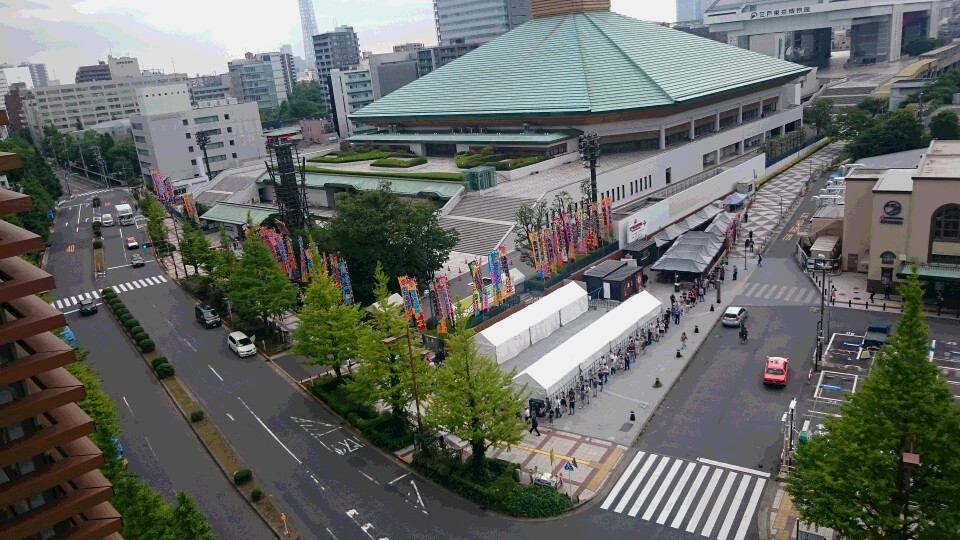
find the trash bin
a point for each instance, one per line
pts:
(676, 287)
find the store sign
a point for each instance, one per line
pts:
(638, 229)
(891, 213)
(766, 14)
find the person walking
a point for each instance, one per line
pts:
(526, 414)
(750, 233)
(600, 381)
(872, 292)
(593, 385)
(556, 407)
(534, 425)
(683, 340)
(759, 261)
(573, 401)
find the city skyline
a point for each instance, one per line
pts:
(45, 31)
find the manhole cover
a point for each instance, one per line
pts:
(626, 427)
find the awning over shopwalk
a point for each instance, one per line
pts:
(693, 221)
(931, 272)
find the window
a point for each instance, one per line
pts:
(229, 130)
(226, 117)
(186, 122)
(214, 159)
(234, 155)
(946, 224)
(669, 173)
(888, 257)
(140, 138)
(193, 161)
(187, 134)
(189, 149)
(205, 119)
(231, 142)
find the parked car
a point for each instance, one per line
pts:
(207, 316)
(241, 344)
(136, 260)
(132, 243)
(87, 307)
(775, 371)
(734, 316)
(107, 220)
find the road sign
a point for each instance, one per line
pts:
(50, 215)
(568, 466)
(283, 517)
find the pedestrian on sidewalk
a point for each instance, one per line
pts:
(593, 385)
(600, 381)
(746, 217)
(735, 270)
(759, 261)
(563, 402)
(886, 291)
(573, 401)
(871, 294)
(751, 236)
(556, 407)
(534, 426)
(526, 414)
(683, 340)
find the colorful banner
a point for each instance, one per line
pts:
(190, 208)
(409, 285)
(507, 280)
(345, 285)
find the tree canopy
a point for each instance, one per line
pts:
(881, 134)
(945, 126)
(258, 288)
(474, 399)
(819, 114)
(194, 248)
(329, 330)
(852, 478)
(120, 157)
(306, 101)
(36, 179)
(380, 226)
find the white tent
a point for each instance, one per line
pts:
(560, 366)
(507, 338)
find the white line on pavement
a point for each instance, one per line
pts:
(734, 467)
(423, 507)
(271, 433)
(127, 403)
(398, 478)
(691, 495)
(368, 477)
(705, 500)
(751, 506)
(150, 446)
(623, 480)
(230, 416)
(215, 372)
(192, 349)
(331, 533)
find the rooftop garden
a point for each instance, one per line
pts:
(362, 152)
(442, 176)
(487, 157)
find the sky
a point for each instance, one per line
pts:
(200, 37)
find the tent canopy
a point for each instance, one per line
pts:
(556, 369)
(735, 198)
(692, 222)
(693, 252)
(507, 338)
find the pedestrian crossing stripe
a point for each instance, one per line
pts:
(720, 502)
(122, 288)
(784, 293)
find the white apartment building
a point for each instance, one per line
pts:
(166, 139)
(352, 91)
(66, 105)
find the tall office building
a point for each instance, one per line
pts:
(691, 10)
(10, 75)
(50, 482)
(123, 67)
(356, 87)
(338, 49)
(308, 24)
(13, 103)
(38, 73)
(477, 21)
(259, 77)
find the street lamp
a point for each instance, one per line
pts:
(823, 301)
(590, 155)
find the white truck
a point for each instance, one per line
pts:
(124, 214)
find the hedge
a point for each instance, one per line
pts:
(158, 360)
(399, 163)
(196, 416)
(350, 157)
(131, 323)
(108, 293)
(442, 176)
(242, 476)
(469, 160)
(125, 317)
(165, 370)
(256, 495)
(140, 336)
(97, 243)
(380, 428)
(147, 345)
(136, 330)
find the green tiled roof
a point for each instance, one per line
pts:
(401, 186)
(580, 63)
(463, 138)
(236, 214)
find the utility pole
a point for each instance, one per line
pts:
(590, 156)
(103, 166)
(82, 159)
(823, 301)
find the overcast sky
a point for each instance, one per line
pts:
(200, 36)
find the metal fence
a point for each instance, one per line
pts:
(796, 150)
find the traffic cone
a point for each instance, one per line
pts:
(696, 328)
(657, 383)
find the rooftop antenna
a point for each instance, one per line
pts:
(173, 65)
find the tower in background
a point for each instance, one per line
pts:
(308, 22)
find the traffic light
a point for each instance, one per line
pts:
(146, 245)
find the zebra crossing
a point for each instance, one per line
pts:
(780, 294)
(73, 301)
(726, 514)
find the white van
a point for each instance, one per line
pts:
(107, 220)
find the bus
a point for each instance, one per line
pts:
(124, 214)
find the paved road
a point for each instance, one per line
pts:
(160, 446)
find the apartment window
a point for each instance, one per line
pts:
(189, 149)
(206, 119)
(888, 257)
(234, 155)
(136, 126)
(231, 142)
(140, 138)
(229, 130)
(186, 122)
(187, 134)
(214, 159)
(193, 161)
(226, 117)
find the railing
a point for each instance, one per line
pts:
(796, 150)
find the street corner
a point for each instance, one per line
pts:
(574, 464)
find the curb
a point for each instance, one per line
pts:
(193, 429)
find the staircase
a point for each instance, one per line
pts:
(482, 221)
(846, 95)
(476, 237)
(490, 207)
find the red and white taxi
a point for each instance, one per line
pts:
(775, 371)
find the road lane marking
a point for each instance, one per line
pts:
(88, 296)
(762, 289)
(645, 492)
(398, 478)
(704, 501)
(150, 446)
(734, 506)
(270, 432)
(215, 372)
(667, 480)
(715, 513)
(780, 294)
(71, 248)
(192, 349)
(127, 403)
(135, 284)
(793, 290)
(751, 507)
(675, 496)
(734, 467)
(753, 287)
(230, 416)
(122, 288)
(368, 477)
(635, 484)
(59, 305)
(423, 507)
(623, 480)
(161, 278)
(95, 295)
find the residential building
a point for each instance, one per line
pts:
(407, 47)
(259, 78)
(166, 140)
(434, 58)
(69, 107)
(289, 72)
(110, 70)
(355, 87)
(337, 49)
(691, 10)
(13, 102)
(10, 75)
(38, 73)
(50, 482)
(209, 87)
(477, 21)
(308, 25)
(315, 130)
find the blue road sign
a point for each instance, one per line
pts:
(50, 215)
(568, 466)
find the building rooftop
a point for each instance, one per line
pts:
(942, 161)
(895, 181)
(401, 186)
(463, 138)
(580, 63)
(909, 159)
(236, 214)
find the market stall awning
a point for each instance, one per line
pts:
(692, 253)
(734, 199)
(692, 222)
(934, 272)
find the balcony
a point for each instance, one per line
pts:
(78, 458)
(69, 424)
(20, 278)
(12, 202)
(15, 241)
(52, 390)
(9, 162)
(30, 316)
(92, 490)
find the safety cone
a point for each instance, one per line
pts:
(696, 329)
(657, 383)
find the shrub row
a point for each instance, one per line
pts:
(399, 163)
(352, 156)
(381, 429)
(467, 160)
(444, 176)
(132, 326)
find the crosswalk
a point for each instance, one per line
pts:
(713, 499)
(73, 301)
(803, 295)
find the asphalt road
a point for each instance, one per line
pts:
(159, 445)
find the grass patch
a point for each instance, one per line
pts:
(501, 162)
(443, 176)
(350, 157)
(495, 487)
(399, 163)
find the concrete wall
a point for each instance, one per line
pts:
(538, 167)
(688, 201)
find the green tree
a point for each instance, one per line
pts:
(852, 479)
(306, 101)
(920, 46)
(187, 522)
(945, 126)
(898, 132)
(258, 288)
(194, 248)
(818, 114)
(384, 374)
(219, 267)
(35, 179)
(474, 399)
(379, 226)
(530, 218)
(849, 123)
(874, 105)
(329, 329)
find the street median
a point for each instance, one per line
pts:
(213, 441)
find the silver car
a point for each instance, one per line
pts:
(734, 316)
